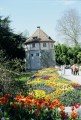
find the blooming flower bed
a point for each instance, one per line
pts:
(28, 108)
(76, 86)
(51, 84)
(47, 100)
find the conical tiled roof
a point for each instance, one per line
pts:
(39, 36)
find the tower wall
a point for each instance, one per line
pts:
(47, 58)
(34, 60)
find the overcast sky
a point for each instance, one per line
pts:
(26, 15)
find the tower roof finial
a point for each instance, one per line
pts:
(38, 27)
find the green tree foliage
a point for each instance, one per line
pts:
(3, 56)
(12, 52)
(79, 57)
(67, 55)
(16, 65)
(9, 41)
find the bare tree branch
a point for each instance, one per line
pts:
(69, 26)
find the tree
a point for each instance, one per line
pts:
(9, 41)
(79, 57)
(76, 50)
(58, 52)
(63, 54)
(67, 55)
(69, 26)
(47, 59)
(5, 23)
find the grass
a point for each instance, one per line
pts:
(24, 77)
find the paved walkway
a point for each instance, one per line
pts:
(68, 75)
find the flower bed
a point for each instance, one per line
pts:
(49, 81)
(28, 108)
(68, 92)
(76, 86)
(54, 86)
(47, 100)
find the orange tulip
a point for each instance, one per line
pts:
(46, 103)
(52, 106)
(36, 102)
(28, 101)
(40, 106)
(74, 114)
(3, 100)
(19, 97)
(57, 102)
(41, 100)
(30, 97)
(62, 107)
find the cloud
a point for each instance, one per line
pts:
(69, 2)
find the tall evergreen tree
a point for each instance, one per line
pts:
(9, 41)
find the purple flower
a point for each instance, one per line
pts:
(0, 111)
(45, 77)
(2, 118)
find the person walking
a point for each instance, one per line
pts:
(73, 69)
(76, 70)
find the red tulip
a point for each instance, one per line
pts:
(77, 106)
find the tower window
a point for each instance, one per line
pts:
(51, 45)
(33, 45)
(44, 44)
(35, 37)
(37, 54)
(31, 55)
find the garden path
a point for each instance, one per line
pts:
(70, 76)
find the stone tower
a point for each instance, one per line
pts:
(39, 49)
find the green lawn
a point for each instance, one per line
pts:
(24, 77)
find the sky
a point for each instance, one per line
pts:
(26, 15)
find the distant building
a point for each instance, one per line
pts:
(39, 49)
